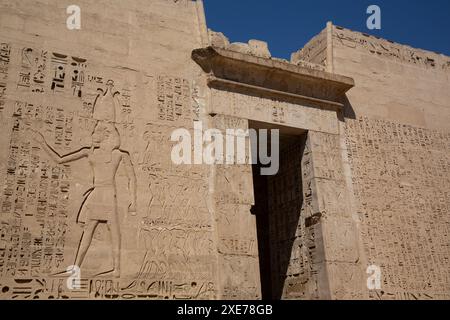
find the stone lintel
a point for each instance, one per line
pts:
(269, 78)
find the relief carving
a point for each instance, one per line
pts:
(401, 191)
(388, 49)
(104, 156)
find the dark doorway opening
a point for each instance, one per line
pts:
(278, 203)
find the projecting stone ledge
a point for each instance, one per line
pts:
(272, 78)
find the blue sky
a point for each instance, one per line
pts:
(288, 24)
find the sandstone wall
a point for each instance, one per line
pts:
(315, 51)
(58, 82)
(394, 82)
(397, 129)
(374, 184)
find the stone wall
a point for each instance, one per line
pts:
(397, 138)
(315, 51)
(126, 76)
(394, 82)
(401, 183)
(87, 177)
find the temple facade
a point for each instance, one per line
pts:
(94, 206)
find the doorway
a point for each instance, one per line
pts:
(278, 203)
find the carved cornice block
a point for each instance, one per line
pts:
(271, 78)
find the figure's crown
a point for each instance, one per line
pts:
(105, 105)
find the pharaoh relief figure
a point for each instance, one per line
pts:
(104, 157)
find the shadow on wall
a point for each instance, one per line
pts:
(349, 112)
(278, 206)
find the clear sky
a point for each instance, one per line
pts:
(288, 24)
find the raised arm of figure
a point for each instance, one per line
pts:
(56, 157)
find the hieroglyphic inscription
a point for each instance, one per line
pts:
(41, 288)
(41, 71)
(278, 114)
(388, 49)
(35, 198)
(33, 67)
(5, 56)
(174, 237)
(401, 182)
(174, 98)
